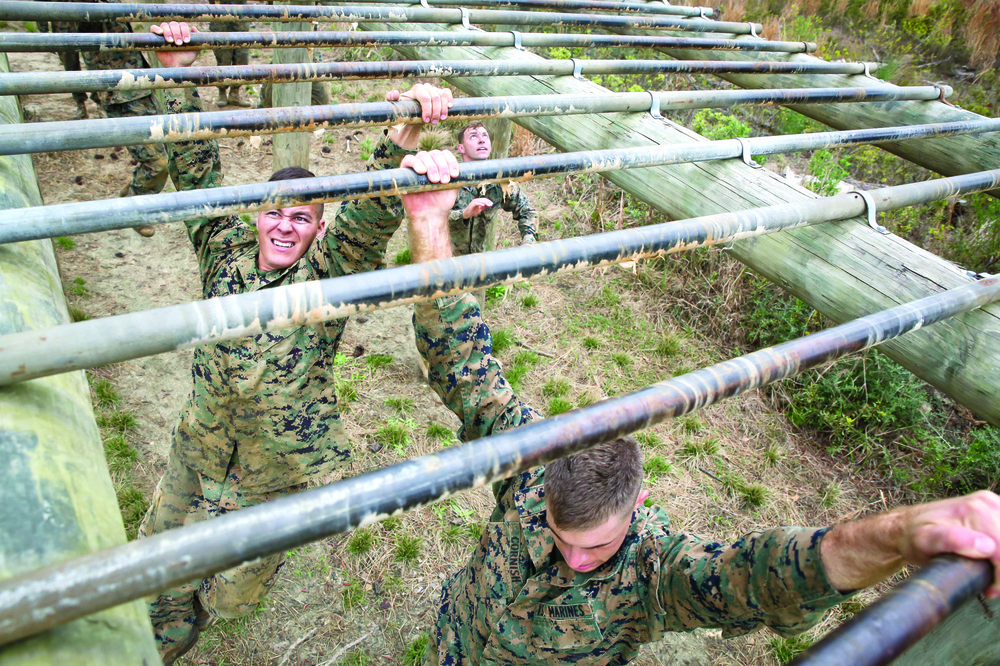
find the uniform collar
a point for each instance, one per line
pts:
(547, 559)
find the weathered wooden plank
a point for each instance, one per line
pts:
(57, 497)
(949, 157)
(291, 149)
(845, 269)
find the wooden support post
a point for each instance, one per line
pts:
(291, 149)
(845, 269)
(57, 497)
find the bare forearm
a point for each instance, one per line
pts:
(864, 552)
(429, 238)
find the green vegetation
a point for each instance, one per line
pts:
(656, 466)
(357, 657)
(648, 438)
(530, 301)
(669, 345)
(415, 651)
(440, 432)
(396, 434)
(376, 361)
(558, 406)
(691, 424)
(401, 405)
(786, 649)
(79, 288)
(354, 593)
(366, 148)
(361, 541)
(65, 243)
(719, 125)
(503, 340)
(556, 388)
(591, 343)
(524, 360)
(408, 548)
(699, 448)
(392, 523)
(621, 359)
(495, 294)
(403, 257)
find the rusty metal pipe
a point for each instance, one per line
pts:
(103, 215)
(106, 132)
(17, 10)
(98, 342)
(654, 8)
(30, 42)
(56, 594)
(31, 83)
(882, 632)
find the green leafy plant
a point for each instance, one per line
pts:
(495, 294)
(403, 257)
(65, 242)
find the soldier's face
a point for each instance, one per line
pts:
(285, 234)
(585, 550)
(475, 145)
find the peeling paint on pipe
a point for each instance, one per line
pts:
(57, 594)
(98, 342)
(31, 42)
(32, 83)
(13, 10)
(103, 215)
(886, 629)
(106, 132)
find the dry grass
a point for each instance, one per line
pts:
(983, 32)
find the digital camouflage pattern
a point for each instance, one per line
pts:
(518, 602)
(183, 497)
(273, 393)
(469, 236)
(262, 419)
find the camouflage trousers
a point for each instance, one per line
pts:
(189, 164)
(183, 497)
(228, 57)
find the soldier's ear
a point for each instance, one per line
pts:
(320, 229)
(461, 149)
(643, 494)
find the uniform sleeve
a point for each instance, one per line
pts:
(213, 236)
(517, 204)
(458, 347)
(774, 578)
(362, 227)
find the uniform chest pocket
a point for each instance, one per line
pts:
(571, 629)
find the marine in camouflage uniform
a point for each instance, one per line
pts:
(468, 236)
(262, 419)
(70, 59)
(469, 232)
(518, 602)
(189, 164)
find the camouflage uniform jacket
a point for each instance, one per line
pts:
(469, 236)
(518, 602)
(273, 393)
(113, 59)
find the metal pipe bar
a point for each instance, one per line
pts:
(111, 339)
(56, 42)
(56, 594)
(103, 215)
(897, 621)
(9, 9)
(106, 132)
(18, 10)
(595, 5)
(29, 83)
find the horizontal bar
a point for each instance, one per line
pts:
(28, 83)
(111, 339)
(29, 42)
(119, 213)
(602, 5)
(57, 594)
(106, 132)
(15, 10)
(887, 628)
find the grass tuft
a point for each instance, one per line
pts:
(403, 257)
(786, 649)
(394, 433)
(621, 359)
(408, 548)
(65, 243)
(699, 448)
(556, 388)
(657, 466)
(559, 406)
(503, 340)
(530, 301)
(361, 542)
(415, 651)
(402, 405)
(354, 594)
(692, 424)
(375, 361)
(591, 343)
(669, 345)
(440, 432)
(648, 438)
(754, 494)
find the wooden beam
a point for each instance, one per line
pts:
(949, 156)
(57, 497)
(845, 269)
(291, 149)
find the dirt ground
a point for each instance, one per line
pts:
(340, 604)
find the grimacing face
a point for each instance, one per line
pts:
(285, 234)
(475, 145)
(585, 550)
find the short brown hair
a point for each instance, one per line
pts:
(584, 490)
(460, 135)
(294, 173)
